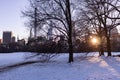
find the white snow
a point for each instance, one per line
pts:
(87, 68)
(11, 58)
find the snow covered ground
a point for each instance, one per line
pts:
(11, 58)
(87, 68)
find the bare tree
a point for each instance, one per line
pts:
(61, 13)
(103, 14)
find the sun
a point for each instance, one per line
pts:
(94, 40)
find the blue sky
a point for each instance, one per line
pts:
(11, 17)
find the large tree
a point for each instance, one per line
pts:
(60, 12)
(104, 15)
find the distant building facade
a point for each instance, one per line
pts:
(0, 41)
(7, 36)
(49, 33)
(13, 39)
(21, 42)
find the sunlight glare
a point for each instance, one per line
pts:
(94, 41)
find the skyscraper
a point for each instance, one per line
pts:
(0, 41)
(13, 39)
(7, 37)
(50, 31)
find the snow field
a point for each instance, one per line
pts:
(87, 68)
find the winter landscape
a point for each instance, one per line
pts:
(84, 68)
(60, 40)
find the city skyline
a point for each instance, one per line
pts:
(11, 17)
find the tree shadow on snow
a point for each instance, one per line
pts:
(9, 67)
(113, 65)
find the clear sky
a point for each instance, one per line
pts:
(11, 17)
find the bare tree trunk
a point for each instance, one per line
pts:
(70, 50)
(69, 21)
(101, 52)
(107, 35)
(108, 46)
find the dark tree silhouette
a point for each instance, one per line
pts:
(60, 13)
(104, 16)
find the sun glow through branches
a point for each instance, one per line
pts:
(94, 41)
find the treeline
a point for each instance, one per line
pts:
(49, 46)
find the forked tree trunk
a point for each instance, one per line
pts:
(101, 51)
(107, 34)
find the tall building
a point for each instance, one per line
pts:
(7, 35)
(0, 41)
(49, 33)
(13, 39)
